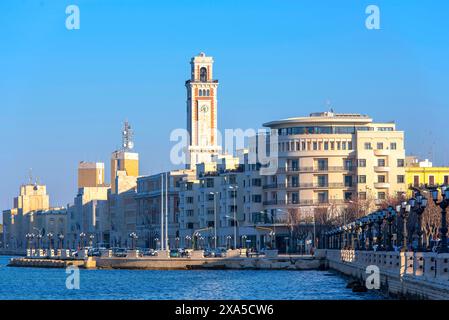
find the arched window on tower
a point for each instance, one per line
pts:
(208, 92)
(201, 93)
(203, 74)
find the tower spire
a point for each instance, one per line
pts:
(127, 137)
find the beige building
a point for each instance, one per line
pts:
(90, 174)
(16, 221)
(330, 158)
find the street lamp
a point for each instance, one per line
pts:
(419, 204)
(215, 217)
(380, 216)
(444, 203)
(49, 236)
(91, 240)
(228, 241)
(390, 217)
(234, 193)
(133, 236)
(404, 210)
(82, 236)
(188, 238)
(156, 240)
(177, 242)
(243, 240)
(61, 239)
(28, 237)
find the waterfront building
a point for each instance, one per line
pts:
(157, 200)
(422, 173)
(50, 224)
(90, 174)
(329, 159)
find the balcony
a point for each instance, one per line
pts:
(274, 186)
(381, 153)
(315, 169)
(382, 169)
(382, 185)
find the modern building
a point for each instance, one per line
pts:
(331, 159)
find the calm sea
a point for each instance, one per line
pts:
(36, 283)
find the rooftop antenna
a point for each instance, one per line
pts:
(127, 137)
(329, 106)
(30, 175)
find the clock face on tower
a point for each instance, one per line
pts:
(204, 108)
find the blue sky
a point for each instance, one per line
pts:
(64, 94)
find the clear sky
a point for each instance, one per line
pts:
(64, 94)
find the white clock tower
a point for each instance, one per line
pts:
(202, 111)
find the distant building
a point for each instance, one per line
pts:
(421, 174)
(90, 174)
(17, 221)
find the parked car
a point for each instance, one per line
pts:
(183, 252)
(119, 252)
(174, 253)
(95, 252)
(208, 253)
(220, 252)
(150, 253)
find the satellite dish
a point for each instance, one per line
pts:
(130, 145)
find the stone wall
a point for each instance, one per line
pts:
(403, 274)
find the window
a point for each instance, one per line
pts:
(256, 198)
(348, 164)
(401, 179)
(416, 181)
(348, 181)
(348, 196)
(315, 146)
(380, 146)
(446, 180)
(203, 74)
(401, 163)
(189, 199)
(362, 163)
(210, 197)
(322, 197)
(295, 182)
(326, 145)
(210, 183)
(381, 162)
(295, 198)
(343, 145)
(393, 146)
(362, 179)
(322, 164)
(322, 181)
(362, 195)
(381, 195)
(208, 92)
(381, 179)
(368, 146)
(431, 180)
(350, 145)
(257, 182)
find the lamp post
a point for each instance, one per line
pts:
(91, 240)
(234, 193)
(404, 211)
(28, 237)
(61, 239)
(215, 218)
(243, 240)
(82, 236)
(390, 217)
(156, 240)
(49, 236)
(370, 224)
(228, 241)
(39, 242)
(443, 204)
(177, 242)
(133, 236)
(419, 204)
(380, 216)
(188, 238)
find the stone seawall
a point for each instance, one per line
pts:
(302, 263)
(404, 275)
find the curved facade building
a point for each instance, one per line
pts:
(330, 158)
